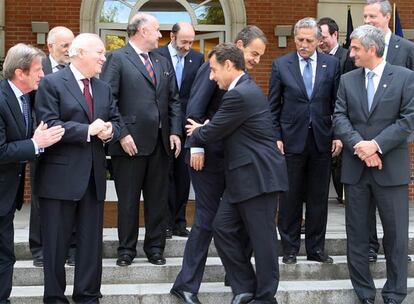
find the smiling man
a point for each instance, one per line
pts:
(302, 91)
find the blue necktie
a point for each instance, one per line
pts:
(307, 77)
(179, 71)
(25, 112)
(370, 89)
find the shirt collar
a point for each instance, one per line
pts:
(234, 82)
(172, 50)
(137, 49)
(16, 90)
(53, 62)
(378, 70)
(313, 57)
(387, 37)
(333, 51)
(78, 75)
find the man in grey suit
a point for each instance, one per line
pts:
(397, 51)
(144, 87)
(374, 115)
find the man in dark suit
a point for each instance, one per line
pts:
(398, 51)
(145, 89)
(374, 115)
(186, 62)
(254, 172)
(206, 167)
(302, 92)
(22, 71)
(59, 40)
(71, 176)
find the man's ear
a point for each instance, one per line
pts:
(239, 44)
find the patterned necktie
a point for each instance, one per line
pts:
(149, 68)
(370, 89)
(179, 71)
(88, 97)
(25, 112)
(307, 77)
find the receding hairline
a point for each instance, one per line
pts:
(56, 31)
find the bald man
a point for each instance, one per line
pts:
(186, 62)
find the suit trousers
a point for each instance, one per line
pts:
(7, 258)
(237, 224)
(58, 219)
(373, 236)
(208, 187)
(392, 203)
(309, 174)
(149, 174)
(179, 188)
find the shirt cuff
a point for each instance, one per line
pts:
(379, 149)
(88, 138)
(196, 150)
(36, 147)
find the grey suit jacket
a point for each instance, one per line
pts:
(390, 121)
(401, 52)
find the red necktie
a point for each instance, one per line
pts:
(88, 97)
(149, 68)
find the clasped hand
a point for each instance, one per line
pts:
(101, 129)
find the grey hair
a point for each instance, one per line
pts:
(250, 33)
(370, 36)
(308, 22)
(137, 21)
(51, 36)
(81, 42)
(385, 6)
(20, 56)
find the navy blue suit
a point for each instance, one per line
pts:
(179, 179)
(16, 149)
(205, 99)
(305, 127)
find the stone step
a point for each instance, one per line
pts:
(289, 292)
(141, 271)
(335, 244)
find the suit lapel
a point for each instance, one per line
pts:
(14, 107)
(157, 68)
(97, 95)
(136, 61)
(385, 81)
(295, 70)
(360, 87)
(321, 67)
(73, 87)
(393, 48)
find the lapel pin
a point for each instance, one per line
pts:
(156, 60)
(166, 74)
(324, 65)
(190, 60)
(397, 46)
(384, 86)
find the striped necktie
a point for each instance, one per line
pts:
(149, 68)
(25, 112)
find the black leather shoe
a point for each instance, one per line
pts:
(390, 301)
(37, 262)
(289, 258)
(185, 296)
(168, 233)
(71, 260)
(183, 232)
(372, 256)
(124, 260)
(320, 256)
(242, 298)
(367, 301)
(156, 259)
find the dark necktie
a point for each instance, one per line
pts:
(307, 77)
(25, 112)
(179, 71)
(149, 68)
(88, 97)
(60, 66)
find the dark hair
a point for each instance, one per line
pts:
(228, 51)
(332, 25)
(250, 33)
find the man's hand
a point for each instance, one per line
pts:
(45, 137)
(96, 127)
(336, 147)
(373, 161)
(106, 134)
(175, 143)
(365, 148)
(280, 146)
(192, 125)
(197, 161)
(128, 145)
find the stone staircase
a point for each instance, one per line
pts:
(143, 283)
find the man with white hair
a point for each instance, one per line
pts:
(71, 177)
(22, 71)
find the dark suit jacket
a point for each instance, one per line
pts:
(142, 106)
(401, 52)
(346, 63)
(205, 99)
(47, 66)
(253, 164)
(291, 108)
(192, 63)
(65, 168)
(390, 122)
(15, 149)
